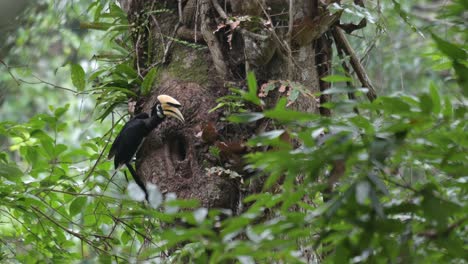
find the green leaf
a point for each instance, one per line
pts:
(10, 172)
(269, 138)
(378, 183)
(281, 113)
(362, 191)
(105, 258)
(97, 12)
(61, 110)
(343, 90)
(192, 203)
(78, 77)
(436, 101)
(376, 203)
(47, 142)
(402, 208)
(125, 237)
(126, 71)
(272, 134)
(148, 81)
(426, 104)
(393, 105)
(96, 25)
(3, 157)
(96, 74)
(462, 76)
(454, 246)
(245, 117)
(77, 205)
(337, 78)
(272, 179)
(115, 11)
(59, 149)
(363, 123)
(451, 50)
(338, 202)
(268, 87)
(404, 15)
(448, 109)
(437, 209)
(293, 95)
(251, 95)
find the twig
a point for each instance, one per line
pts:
(323, 63)
(73, 233)
(179, 9)
(9, 72)
(137, 55)
(51, 84)
(15, 218)
(147, 238)
(211, 41)
(283, 46)
(195, 29)
(340, 39)
(270, 21)
(289, 36)
(345, 66)
(110, 132)
(71, 193)
(219, 9)
(368, 50)
(188, 34)
(436, 234)
(404, 186)
(290, 22)
(350, 27)
(156, 24)
(55, 210)
(176, 27)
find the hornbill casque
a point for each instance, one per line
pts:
(128, 141)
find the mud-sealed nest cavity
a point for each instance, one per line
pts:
(173, 155)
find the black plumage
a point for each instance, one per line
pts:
(128, 141)
(130, 137)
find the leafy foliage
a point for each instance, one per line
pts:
(387, 185)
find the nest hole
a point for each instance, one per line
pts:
(178, 148)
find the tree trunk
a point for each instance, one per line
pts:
(202, 47)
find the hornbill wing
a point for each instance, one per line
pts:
(114, 147)
(116, 143)
(130, 139)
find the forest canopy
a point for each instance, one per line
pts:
(314, 131)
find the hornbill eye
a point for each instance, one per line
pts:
(170, 107)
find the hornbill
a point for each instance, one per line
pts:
(134, 131)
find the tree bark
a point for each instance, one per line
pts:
(201, 47)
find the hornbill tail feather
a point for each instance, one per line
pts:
(137, 179)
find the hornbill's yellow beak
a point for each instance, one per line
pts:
(170, 107)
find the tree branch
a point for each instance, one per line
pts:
(343, 43)
(436, 234)
(211, 41)
(176, 28)
(9, 72)
(345, 66)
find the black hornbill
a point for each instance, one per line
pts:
(134, 131)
